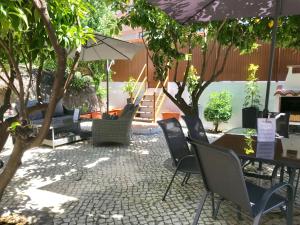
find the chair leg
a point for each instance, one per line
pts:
(274, 174)
(281, 174)
(290, 206)
(187, 179)
(199, 208)
(212, 204)
(184, 179)
(257, 219)
(297, 183)
(169, 185)
(218, 207)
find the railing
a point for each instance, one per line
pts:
(143, 83)
(159, 100)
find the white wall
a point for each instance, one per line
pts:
(236, 88)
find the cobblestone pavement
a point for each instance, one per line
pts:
(81, 184)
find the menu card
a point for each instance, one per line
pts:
(265, 150)
(266, 129)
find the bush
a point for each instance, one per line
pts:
(80, 82)
(129, 86)
(219, 108)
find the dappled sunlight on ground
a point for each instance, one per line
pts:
(81, 184)
(96, 162)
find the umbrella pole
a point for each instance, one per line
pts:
(107, 87)
(272, 56)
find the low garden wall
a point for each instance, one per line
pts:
(236, 88)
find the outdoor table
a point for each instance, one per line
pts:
(284, 152)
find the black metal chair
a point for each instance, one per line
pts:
(225, 177)
(282, 124)
(182, 158)
(195, 128)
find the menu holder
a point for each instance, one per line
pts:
(266, 129)
(265, 150)
(76, 115)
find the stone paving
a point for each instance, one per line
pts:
(81, 184)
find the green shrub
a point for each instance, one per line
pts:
(219, 108)
(79, 82)
(129, 86)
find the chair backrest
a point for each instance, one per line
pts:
(196, 129)
(282, 123)
(128, 111)
(222, 173)
(175, 138)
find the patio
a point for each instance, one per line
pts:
(81, 184)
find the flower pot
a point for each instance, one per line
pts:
(115, 112)
(249, 117)
(96, 115)
(168, 115)
(86, 116)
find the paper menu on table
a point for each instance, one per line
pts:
(266, 129)
(265, 150)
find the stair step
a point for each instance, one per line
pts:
(144, 112)
(143, 119)
(147, 100)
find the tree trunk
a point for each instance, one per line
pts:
(12, 165)
(3, 131)
(216, 127)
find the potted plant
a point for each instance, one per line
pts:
(219, 108)
(129, 88)
(251, 104)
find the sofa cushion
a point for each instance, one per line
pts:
(59, 110)
(36, 115)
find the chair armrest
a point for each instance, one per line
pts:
(268, 194)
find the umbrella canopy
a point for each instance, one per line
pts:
(187, 11)
(107, 48)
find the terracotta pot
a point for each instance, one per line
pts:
(86, 116)
(96, 115)
(168, 115)
(115, 112)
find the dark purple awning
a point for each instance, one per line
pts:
(186, 11)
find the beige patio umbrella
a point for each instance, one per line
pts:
(107, 48)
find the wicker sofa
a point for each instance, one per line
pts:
(114, 131)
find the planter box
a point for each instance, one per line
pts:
(168, 115)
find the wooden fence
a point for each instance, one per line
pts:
(235, 70)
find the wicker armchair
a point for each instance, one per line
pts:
(114, 131)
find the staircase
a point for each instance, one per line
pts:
(150, 100)
(146, 110)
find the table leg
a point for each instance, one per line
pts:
(53, 136)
